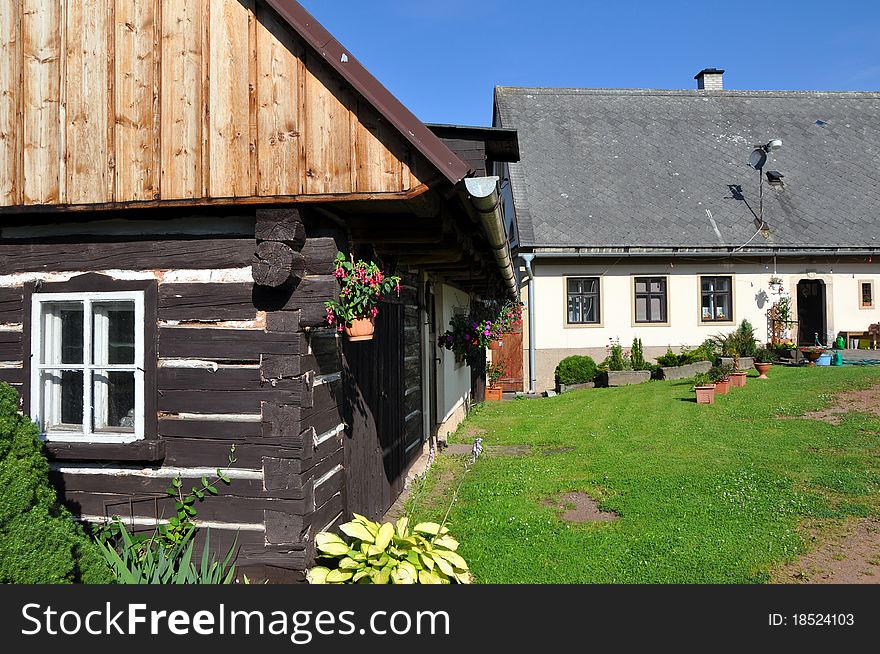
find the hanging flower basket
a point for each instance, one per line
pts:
(776, 285)
(364, 286)
(471, 334)
(361, 329)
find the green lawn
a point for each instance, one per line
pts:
(705, 494)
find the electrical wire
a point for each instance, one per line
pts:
(760, 229)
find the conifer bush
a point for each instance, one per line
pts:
(40, 543)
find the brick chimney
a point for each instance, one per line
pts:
(710, 79)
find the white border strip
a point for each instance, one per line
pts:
(195, 276)
(327, 379)
(338, 515)
(328, 475)
(199, 364)
(154, 473)
(327, 435)
(216, 417)
(138, 521)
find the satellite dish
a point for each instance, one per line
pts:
(757, 159)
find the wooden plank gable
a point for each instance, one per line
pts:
(120, 102)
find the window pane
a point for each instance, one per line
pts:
(574, 286)
(656, 285)
(588, 309)
(62, 400)
(63, 333)
(641, 285)
(656, 312)
(641, 309)
(113, 333)
(867, 296)
(114, 401)
(707, 309)
(722, 283)
(722, 307)
(574, 314)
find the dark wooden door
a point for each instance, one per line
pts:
(509, 352)
(375, 444)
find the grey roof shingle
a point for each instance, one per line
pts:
(618, 168)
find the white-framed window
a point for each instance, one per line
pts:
(87, 367)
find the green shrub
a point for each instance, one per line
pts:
(576, 369)
(703, 379)
(39, 541)
(637, 356)
(766, 355)
(154, 562)
(738, 343)
(617, 360)
(720, 372)
(389, 554)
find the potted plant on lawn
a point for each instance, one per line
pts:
(764, 358)
(364, 286)
(720, 374)
(494, 373)
(704, 388)
(812, 353)
(737, 376)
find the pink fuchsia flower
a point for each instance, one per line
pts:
(397, 287)
(374, 312)
(339, 273)
(340, 327)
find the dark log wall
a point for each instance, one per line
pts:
(238, 364)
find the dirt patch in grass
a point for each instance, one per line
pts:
(850, 556)
(489, 450)
(864, 401)
(579, 508)
(557, 450)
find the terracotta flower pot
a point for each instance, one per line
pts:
(494, 393)
(762, 369)
(361, 329)
(705, 394)
(738, 379)
(722, 387)
(812, 355)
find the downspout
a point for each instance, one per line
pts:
(533, 377)
(483, 202)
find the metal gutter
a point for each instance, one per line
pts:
(482, 200)
(721, 254)
(533, 376)
(341, 59)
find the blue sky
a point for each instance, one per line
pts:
(442, 58)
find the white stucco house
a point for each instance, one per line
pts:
(639, 216)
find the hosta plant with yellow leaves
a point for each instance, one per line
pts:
(390, 553)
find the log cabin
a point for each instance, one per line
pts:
(176, 179)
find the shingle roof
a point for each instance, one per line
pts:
(618, 168)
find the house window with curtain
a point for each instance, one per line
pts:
(716, 299)
(583, 300)
(87, 375)
(650, 299)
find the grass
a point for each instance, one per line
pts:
(705, 494)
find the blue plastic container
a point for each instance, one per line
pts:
(824, 360)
